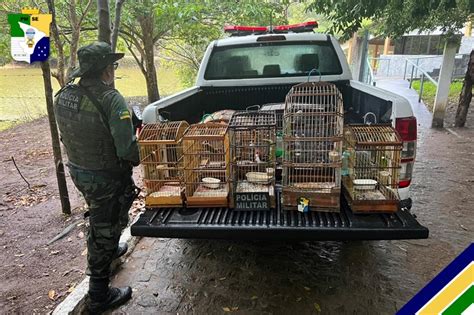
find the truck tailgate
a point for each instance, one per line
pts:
(277, 224)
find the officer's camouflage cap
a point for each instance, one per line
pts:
(93, 57)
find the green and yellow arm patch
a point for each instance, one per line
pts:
(124, 114)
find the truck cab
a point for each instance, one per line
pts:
(258, 66)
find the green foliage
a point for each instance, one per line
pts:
(394, 17)
(202, 21)
(297, 13)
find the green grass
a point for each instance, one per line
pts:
(22, 90)
(429, 92)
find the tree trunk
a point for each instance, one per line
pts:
(59, 75)
(466, 94)
(355, 55)
(75, 33)
(58, 161)
(104, 20)
(118, 13)
(150, 77)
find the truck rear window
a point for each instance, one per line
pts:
(272, 59)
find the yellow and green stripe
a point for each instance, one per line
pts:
(461, 303)
(450, 292)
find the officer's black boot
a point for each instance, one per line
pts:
(121, 250)
(102, 297)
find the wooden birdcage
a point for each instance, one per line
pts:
(252, 155)
(206, 165)
(160, 154)
(371, 172)
(312, 138)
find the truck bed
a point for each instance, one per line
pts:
(276, 224)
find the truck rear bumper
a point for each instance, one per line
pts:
(224, 223)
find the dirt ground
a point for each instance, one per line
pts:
(35, 276)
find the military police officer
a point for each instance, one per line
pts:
(96, 130)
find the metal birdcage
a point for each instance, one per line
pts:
(252, 143)
(371, 167)
(160, 154)
(206, 165)
(312, 138)
(278, 108)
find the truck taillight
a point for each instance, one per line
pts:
(406, 172)
(407, 129)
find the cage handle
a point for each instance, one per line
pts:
(311, 71)
(368, 122)
(253, 106)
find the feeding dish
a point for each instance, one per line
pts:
(364, 184)
(211, 182)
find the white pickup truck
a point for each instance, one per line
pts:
(258, 67)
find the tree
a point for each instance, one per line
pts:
(144, 23)
(186, 45)
(394, 18)
(104, 21)
(118, 15)
(466, 94)
(58, 161)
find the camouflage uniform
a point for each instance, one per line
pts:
(101, 152)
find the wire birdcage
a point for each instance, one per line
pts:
(371, 167)
(160, 154)
(206, 165)
(312, 138)
(252, 143)
(279, 109)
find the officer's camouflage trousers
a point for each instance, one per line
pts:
(104, 193)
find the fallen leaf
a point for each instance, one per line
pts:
(463, 227)
(19, 255)
(51, 294)
(226, 309)
(254, 297)
(222, 279)
(298, 299)
(235, 308)
(71, 288)
(307, 289)
(230, 248)
(21, 265)
(54, 252)
(81, 234)
(69, 239)
(84, 252)
(317, 307)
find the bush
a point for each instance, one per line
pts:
(429, 91)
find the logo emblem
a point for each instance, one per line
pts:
(450, 292)
(29, 31)
(303, 204)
